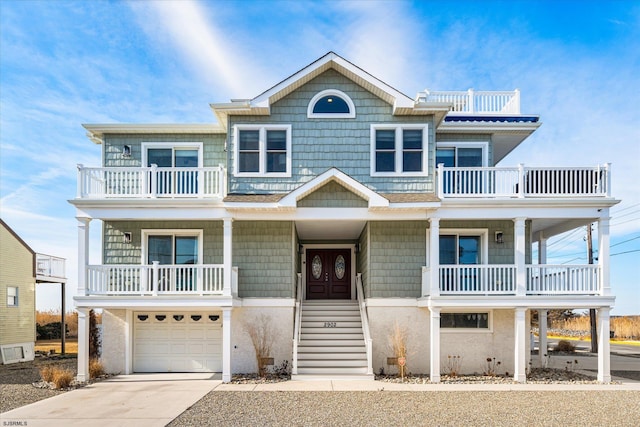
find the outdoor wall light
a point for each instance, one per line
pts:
(127, 237)
(499, 237)
(126, 151)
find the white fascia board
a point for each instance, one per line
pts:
(152, 213)
(267, 302)
(511, 302)
(333, 174)
(153, 303)
(329, 214)
(488, 127)
(525, 211)
(97, 131)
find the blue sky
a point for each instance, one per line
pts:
(63, 63)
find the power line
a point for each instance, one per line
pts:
(627, 252)
(619, 243)
(627, 214)
(624, 222)
(628, 207)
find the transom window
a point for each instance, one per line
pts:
(478, 320)
(263, 150)
(331, 103)
(12, 296)
(398, 149)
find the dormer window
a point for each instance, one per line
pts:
(331, 104)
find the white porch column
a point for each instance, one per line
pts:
(520, 356)
(542, 249)
(603, 256)
(226, 344)
(542, 326)
(434, 348)
(83, 344)
(519, 258)
(228, 255)
(434, 258)
(83, 254)
(604, 355)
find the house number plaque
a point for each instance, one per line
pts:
(329, 324)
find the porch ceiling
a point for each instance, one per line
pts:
(329, 230)
(550, 227)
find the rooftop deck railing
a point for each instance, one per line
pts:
(476, 102)
(522, 182)
(150, 182)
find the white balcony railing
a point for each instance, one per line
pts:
(50, 267)
(521, 181)
(150, 182)
(563, 279)
(477, 279)
(501, 280)
(472, 102)
(200, 279)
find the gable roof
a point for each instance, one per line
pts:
(261, 104)
(23, 243)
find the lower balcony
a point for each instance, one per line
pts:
(502, 280)
(156, 280)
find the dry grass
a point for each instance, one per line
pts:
(262, 334)
(398, 345)
(47, 372)
(62, 378)
(96, 369)
(71, 346)
(625, 327)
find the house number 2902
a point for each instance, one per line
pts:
(329, 324)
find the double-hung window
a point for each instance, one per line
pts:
(12, 296)
(399, 150)
(263, 150)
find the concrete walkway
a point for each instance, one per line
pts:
(156, 399)
(126, 400)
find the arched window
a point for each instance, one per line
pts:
(331, 103)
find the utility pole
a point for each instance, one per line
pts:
(592, 311)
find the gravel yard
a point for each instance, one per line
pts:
(509, 408)
(16, 381)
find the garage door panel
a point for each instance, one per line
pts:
(178, 343)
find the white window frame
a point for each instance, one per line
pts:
(487, 330)
(262, 172)
(398, 127)
(174, 233)
(331, 92)
(483, 233)
(466, 144)
(15, 296)
(173, 145)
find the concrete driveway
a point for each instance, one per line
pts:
(127, 400)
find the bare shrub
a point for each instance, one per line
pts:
(96, 369)
(565, 346)
(398, 345)
(454, 365)
(262, 334)
(492, 366)
(62, 378)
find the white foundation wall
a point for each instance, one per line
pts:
(382, 321)
(243, 358)
(114, 333)
(476, 346)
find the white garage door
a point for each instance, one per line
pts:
(177, 342)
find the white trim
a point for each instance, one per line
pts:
(335, 92)
(392, 302)
(399, 127)
(467, 144)
(303, 262)
(488, 329)
(144, 147)
(267, 302)
(333, 174)
(483, 233)
(146, 232)
(262, 129)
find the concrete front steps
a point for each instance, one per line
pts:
(332, 343)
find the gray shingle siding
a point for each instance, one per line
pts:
(332, 195)
(320, 144)
(212, 147)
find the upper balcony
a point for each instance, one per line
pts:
(523, 182)
(50, 269)
(472, 102)
(151, 182)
